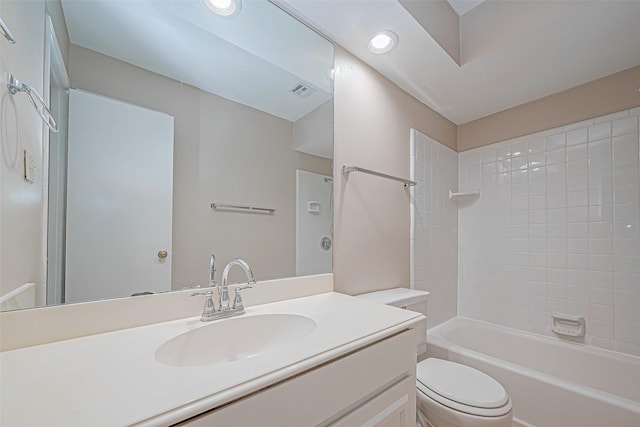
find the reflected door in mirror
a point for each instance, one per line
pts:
(119, 202)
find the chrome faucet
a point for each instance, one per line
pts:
(224, 310)
(224, 289)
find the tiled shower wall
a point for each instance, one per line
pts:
(556, 229)
(434, 233)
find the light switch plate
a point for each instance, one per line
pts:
(29, 167)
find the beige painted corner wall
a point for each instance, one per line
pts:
(617, 92)
(373, 118)
(439, 19)
(54, 10)
(253, 164)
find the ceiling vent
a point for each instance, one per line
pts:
(302, 90)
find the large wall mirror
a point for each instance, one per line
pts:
(182, 133)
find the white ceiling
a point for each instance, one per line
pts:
(531, 48)
(240, 58)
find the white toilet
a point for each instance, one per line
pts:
(449, 394)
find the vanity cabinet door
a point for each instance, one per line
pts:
(395, 407)
(356, 386)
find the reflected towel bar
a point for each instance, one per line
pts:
(16, 86)
(4, 30)
(348, 169)
(242, 208)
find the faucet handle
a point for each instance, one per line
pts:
(212, 271)
(209, 307)
(207, 294)
(238, 304)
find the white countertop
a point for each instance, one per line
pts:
(113, 378)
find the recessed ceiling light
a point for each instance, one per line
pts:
(382, 42)
(223, 7)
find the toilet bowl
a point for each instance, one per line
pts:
(454, 395)
(449, 394)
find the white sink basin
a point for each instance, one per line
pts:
(233, 339)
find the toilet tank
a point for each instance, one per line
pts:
(410, 299)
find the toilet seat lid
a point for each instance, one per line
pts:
(461, 384)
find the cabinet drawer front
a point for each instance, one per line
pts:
(324, 394)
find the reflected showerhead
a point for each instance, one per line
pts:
(328, 179)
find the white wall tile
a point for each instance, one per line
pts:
(578, 125)
(626, 247)
(548, 132)
(556, 245)
(537, 174)
(601, 329)
(600, 196)
(577, 277)
(503, 150)
(557, 231)
(600, 149)
(611, 117)
(519, 148)
(605, 343)
(600, 246)
(626, 298)
(556, 156)
(625, 151)
(488, 154)
(519, 163)
(577, 245)
(557, 227)
(601, 312)
(577, 136)
(601, 295)
(578, 293)
(600, 213)
(602, 279)
(556, 141)
(577, 167)
(624, 347)
(600, 131)
(577, 152)
(628, 316)
(577, 230)
(625, 126)
(559, 260)
(537, 145)
(577, 198)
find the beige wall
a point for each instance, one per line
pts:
(21, 203)
(613, 93)
(311, 133)
(251, 163)
(372, 121)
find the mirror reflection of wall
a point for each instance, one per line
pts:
(236, 118)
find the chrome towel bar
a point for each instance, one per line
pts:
(242, 208)
(348, 169)
(4, 30)
(16, 86)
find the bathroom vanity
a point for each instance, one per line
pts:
(326, 359)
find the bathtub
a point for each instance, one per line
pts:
(551, 383)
